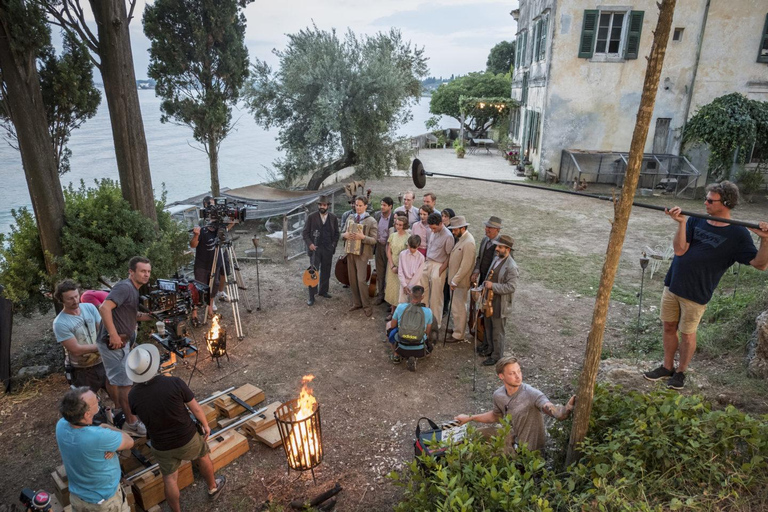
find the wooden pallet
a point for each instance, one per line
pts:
(248, 393)
(149, 489)
(263, 421)
(227, 447)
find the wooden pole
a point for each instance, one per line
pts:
(622, 210)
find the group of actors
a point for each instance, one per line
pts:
(417, 249)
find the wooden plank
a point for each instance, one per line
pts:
(149, 489)
(263, 421)
(211, 414)
(248, 393)
(61, 486)
(227, 447)
(269, 436)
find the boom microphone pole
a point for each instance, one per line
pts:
(419, 176)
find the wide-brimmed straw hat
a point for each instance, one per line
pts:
(505, 240)
(494, 222)
(458, 222)
(142, 363)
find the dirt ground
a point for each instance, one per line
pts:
(369, 407)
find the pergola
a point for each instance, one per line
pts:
(484, 106)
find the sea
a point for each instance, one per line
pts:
(176, 160)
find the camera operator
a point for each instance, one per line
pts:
(161, 402)
(119, 314)
(204, 241)
(88, 453)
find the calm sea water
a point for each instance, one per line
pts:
(175, 159)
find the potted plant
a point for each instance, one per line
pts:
(513, 157)
(459, 148)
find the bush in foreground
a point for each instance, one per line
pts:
(647, 452)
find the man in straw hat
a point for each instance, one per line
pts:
(503, 281)
(321, 234)
(161, 402)
(460, 265)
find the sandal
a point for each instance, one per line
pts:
(220, 483)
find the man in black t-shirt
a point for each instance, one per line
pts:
(161, 402)
(704, 250)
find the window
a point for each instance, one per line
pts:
(612, 34)
(542, 53)
(762, 55)
(535, 40)
(524, 50)
(678, 34)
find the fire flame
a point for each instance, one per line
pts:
(304, 442)
(212, 339)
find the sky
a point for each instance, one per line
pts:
(456, 34)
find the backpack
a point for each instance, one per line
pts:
(411, 325)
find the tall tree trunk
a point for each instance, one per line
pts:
(114, 49)
(213, 162)
(320, 175)
(27, 112)
(622, 211)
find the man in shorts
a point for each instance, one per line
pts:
(161, 402)
(76, 328)
(119, 315)
(523, 404)
(704, 250)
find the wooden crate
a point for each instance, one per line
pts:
(211, 414)
(129, 463)
(263, 421)
(248, 393)
(227, 447)
(269, 436)
(149, 489)
(61, 485)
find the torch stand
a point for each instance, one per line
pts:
(643, 264)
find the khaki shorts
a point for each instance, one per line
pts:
(685, 312)
(117, 503)
(169, 461)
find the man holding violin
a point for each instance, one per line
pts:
(501, 283)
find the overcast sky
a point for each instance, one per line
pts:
(456, 34)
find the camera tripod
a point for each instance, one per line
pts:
(233, 279)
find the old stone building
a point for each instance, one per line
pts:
(580, 66)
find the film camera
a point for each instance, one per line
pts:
(220, 211)
(172, 301)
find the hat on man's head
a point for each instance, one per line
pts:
(494, 222)
(324, 199)
(505, 240)
(458, 222)
(142, 363)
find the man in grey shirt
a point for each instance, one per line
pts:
(524, 405)
(119, 314)
(435, 269)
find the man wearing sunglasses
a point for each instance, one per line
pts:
(704, 250)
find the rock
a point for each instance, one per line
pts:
(31, 372)
(758, 354)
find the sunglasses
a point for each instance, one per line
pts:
(710, 201)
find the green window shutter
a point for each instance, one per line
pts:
(543, 38)
(535, 40)
(632, 48)
(762, 53)
(517, 51)
(588, 31)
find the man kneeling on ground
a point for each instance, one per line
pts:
(409, 329)
(161, 403)
(523, 404)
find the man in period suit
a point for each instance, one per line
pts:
(385, 219)
(460, 265)
(503, 282)
(357, 265)
(486, 254)
(321, 234)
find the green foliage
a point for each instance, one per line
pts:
(446, 99)
(501, 58)
(646, 452)
(101, 233)
(22, 267)
(337, 100)
(749, 182)
(199, 60)
(730, 124)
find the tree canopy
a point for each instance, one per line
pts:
(337, 102)
(501, 58)
(199, 60)
(446, 99)
(731, 124)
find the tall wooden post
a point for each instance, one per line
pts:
(622, 210)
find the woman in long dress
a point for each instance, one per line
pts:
(396, 243)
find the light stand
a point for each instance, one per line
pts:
(255, 241)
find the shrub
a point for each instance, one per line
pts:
(22, 267)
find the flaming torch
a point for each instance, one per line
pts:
(216, 339)
(298, 421)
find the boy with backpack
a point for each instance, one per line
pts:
(410, 328)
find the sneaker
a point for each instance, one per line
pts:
(214, 308)
(135, 429)
(411, 364)
(677, 381)
(220, 483)
(396, 359)
(222, 296)
(658, 374)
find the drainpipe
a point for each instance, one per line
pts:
(696, 63)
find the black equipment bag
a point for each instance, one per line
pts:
(434, 433)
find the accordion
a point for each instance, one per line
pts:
(353, 246)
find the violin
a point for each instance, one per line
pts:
(488, 297)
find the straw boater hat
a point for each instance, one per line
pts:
(505, 240)
(142, 363)
(323, 199)
(458, 222)
(494, 222)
